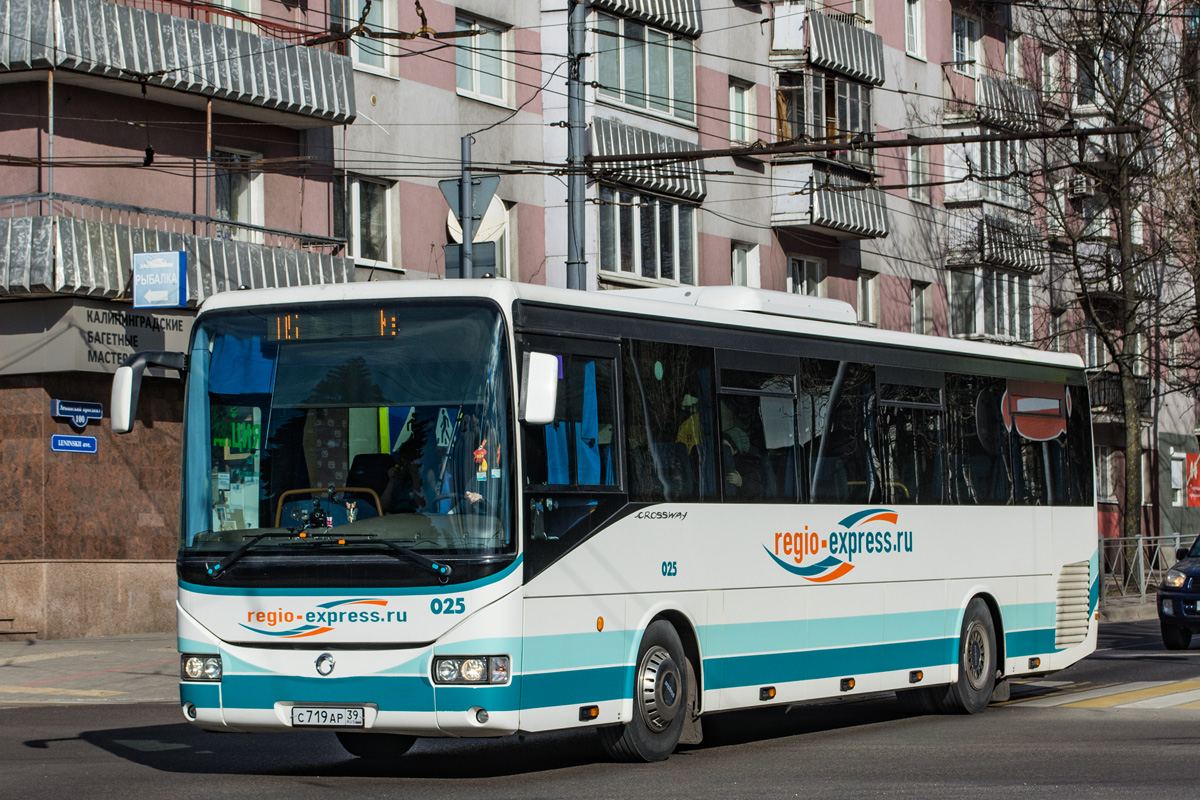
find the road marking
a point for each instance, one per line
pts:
(32, 657)
(1063, 698)
(53, 690)
(1132, 695)
(1180, 700)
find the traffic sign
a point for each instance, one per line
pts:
(483, 260)
(482, 189)
(160, 279)
(72, 444)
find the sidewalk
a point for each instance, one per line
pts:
(1128, 609)
(136, 668)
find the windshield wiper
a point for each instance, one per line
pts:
(222, 567)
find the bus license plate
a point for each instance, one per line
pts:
(327, 716)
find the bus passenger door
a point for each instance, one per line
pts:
(573, 484)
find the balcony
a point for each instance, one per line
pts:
(75, 246)
(1105, 389)
(992, 98)
(837, 42)
(829, 201)
(978, 237)
(248, 75)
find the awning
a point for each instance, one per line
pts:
(677, 16)
(1015, 246)
(1004, 104)
(677, 179)
(197, 58)
(844, 48)
(93, 258)
(860, 211)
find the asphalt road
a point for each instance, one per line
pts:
(1115, 725)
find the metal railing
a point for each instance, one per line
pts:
(157, 219)
(1132, 567)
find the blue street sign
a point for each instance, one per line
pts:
(160, 280)
(72, 444)
(78, 412)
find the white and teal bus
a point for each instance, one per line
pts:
(475, 508)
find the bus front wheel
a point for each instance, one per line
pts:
(659, 702)
(375, 746)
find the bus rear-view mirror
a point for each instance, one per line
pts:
(539, 388)
(127, 384)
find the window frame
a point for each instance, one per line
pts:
(352, 9)
(254, 188)
(751, 274)
(917, 173)
(914, 28)
(612, 196)
(964, 44)
(920, 307)
(680, 101)
(743, 128)
(798, 280)
(353, 222)
(867, 286)
(504, 58)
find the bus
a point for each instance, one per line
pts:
(475, 508)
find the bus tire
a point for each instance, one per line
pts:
(659, 703)
(375, 746)
(1175, 637)
(972, 692)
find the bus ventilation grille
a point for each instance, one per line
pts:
(1074, 590)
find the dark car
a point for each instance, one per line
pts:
(1179, 599)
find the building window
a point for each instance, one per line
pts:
(745, 268)
(366, 52)
(806, 276)
(918, 173)
(367, 215)
(1098, 70)
(966, 44)
(237, 194)
(644, 67)
(646, 235)
(914, 28)
(991, 303)
(1147, 478)
(1141, 354)
(1012, 55)
(1054, 331)
(868, 297)
(1178, 482)
(1095, 357)
(921, 307)
(825, 108)
(742, 128)
(1053, 74)
(243, 8)
(1105, 492)
(481, 61)
(1006, 160)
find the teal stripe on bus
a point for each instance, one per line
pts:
(390, 693)
(1029, 643)
(731, 672)
(252, 591)
(201, 695)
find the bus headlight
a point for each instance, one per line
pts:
(1174, 578)
(200, 667)
(471, 669)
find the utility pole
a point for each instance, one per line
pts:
(465, 219)
(576, 145)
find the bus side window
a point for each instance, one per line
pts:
(977, 442)
(839, 458)
(669, 411)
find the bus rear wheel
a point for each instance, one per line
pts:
(972, 691)
(659, 702)
(375, 746)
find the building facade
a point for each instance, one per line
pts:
(319, 143)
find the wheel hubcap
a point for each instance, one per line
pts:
(976, 656)
(660, 687)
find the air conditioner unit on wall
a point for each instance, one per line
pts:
(1082, 186)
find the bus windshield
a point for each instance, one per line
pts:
(349, 435)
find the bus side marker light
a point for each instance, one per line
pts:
(766, 693)
(599, 623)
(588, 713)
(1034, 663)
(916, 676)
(847, 684)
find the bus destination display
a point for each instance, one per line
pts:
(306, 326)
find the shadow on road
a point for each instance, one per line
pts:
(182, 748)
